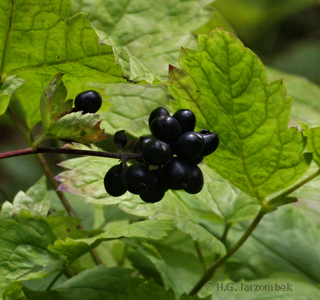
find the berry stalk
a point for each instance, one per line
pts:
(28, 151)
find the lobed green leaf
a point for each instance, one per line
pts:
(83, 128)
(161, 27)
(225, 84)
(39, 39)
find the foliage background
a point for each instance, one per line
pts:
(284, 34)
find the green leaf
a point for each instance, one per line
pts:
(71, 249)
(303, 91)
(52, 104)
(131, 108)
(312, 132)
(24, 253)
(151, 31)
(132, 68)
(83, 128)
(58, 121)
(176, 260)
(34, 200)
(10, 85)
(284, 287)
(65, 226)
(14, 292)
(39, 39)
(225, 84)
(96, 283)
(149, 229)
(219, 201)
(293, 249)
(144, 291)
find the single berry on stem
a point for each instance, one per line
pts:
(88, 101)
(120, 139)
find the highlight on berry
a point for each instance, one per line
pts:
(169, 157)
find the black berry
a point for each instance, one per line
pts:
(88, 102)
(113, 181)
(120, 139)
(189, 145)
(176, 174)
(196, 181)
(156, 189)
(137, 148)
(156, 152)
(166, 128)
(136, 178)
(211, 142)
(158, 112)
(186, 119)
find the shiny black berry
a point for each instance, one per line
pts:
(136, 178)
(113, 181)
(176, 174)
(156, 152)
(158, 112)
(211, 141)
(189, 145)
(196, 181)
(155, 190)
(166, 128)
(137, 148)
(88, 102)
(186, 119)
(120, 139)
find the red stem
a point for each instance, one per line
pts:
(68, 151)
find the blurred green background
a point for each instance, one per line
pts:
(285, 34)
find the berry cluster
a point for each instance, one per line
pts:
(168, 159)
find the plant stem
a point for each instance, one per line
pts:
(292, 189)
(225, 233)
(15, 120)
(20, 127)
(210, 272)
(94, 254)
(55, 280)
(200, 255)
(55, 184)
(28, 151)
(38, 141)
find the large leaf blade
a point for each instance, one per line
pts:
(225, 84)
